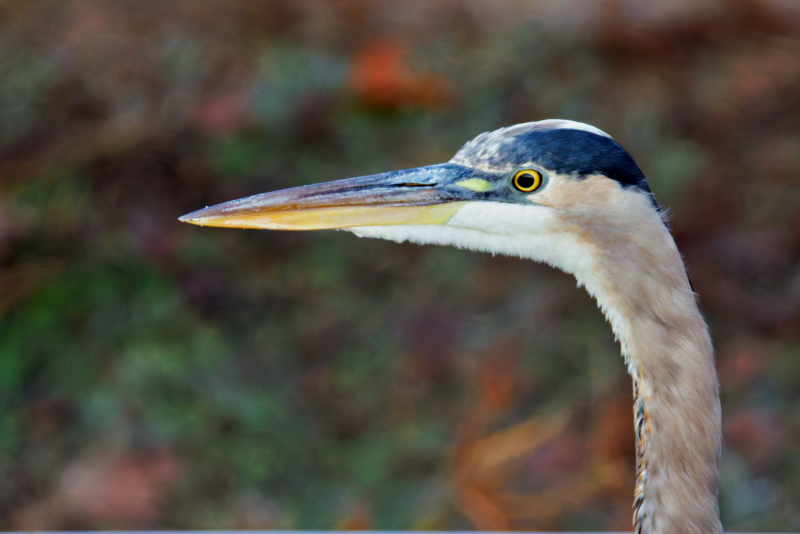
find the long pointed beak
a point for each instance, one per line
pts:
(425, 195)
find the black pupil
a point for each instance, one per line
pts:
(525, 181)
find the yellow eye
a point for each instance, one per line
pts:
(527, 180)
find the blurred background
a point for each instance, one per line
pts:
(159, 375)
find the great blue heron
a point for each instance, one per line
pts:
(566, 194)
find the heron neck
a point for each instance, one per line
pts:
(644, 291)
(677, 424)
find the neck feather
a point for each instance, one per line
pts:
(643, 289)
(620, 249)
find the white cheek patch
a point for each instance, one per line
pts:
(503, 218)
(499, 228)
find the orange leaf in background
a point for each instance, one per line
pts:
(480, 506)
(532, 474)
(381, 78)
(494, 457)
(483, 464)
(499, 374)
(358, 519)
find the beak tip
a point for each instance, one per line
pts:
(199, 221)
(195, 217)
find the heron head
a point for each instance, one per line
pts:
(528, 190)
